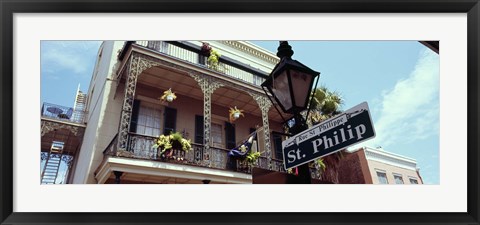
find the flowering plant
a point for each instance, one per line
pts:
(212, 60)
(173, 141)
(205, 50)
(252, 157)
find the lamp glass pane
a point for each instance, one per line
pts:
(301, 85)
(281, 90)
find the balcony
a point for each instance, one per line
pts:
(63, 113)
(62, 130)
(190, 53)
(141, 148)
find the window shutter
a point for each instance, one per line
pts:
(230, 136)
(199, 129)
(277, 141)
(170, 120)
(134, 118)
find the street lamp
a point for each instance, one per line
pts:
(290, 84)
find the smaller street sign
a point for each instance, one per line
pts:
(351, 127)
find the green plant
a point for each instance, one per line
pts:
(167, 142)
(212, 60)
(176, 136)
(319, 164)
(325, 104)
(252, 157)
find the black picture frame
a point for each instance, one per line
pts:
(9, 7)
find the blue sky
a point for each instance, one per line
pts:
(398, 79)
(64, 65)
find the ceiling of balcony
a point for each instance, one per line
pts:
(70, 140)
(157, 79)
(163, 79)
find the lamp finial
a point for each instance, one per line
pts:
(284, 50)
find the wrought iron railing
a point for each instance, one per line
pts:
(141, 147)
(63, 113)
(200, 60)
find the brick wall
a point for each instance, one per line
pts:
(353, 169)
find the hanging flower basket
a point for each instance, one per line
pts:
(168, 95)
(234, 114)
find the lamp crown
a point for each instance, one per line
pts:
(284, 50)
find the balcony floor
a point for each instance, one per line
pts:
(154, 172)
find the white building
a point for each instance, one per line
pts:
(368, 165)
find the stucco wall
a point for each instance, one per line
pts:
(100, 128)
(390, 170)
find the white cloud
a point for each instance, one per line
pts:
(67, 56)
(410, 110)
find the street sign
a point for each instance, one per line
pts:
(351, 127)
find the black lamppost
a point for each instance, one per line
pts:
(290, 84)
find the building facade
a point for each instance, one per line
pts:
(124, 116)
(376, 166)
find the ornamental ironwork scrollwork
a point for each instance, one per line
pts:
(264, 103)
(48, 126)
(142, 147)
(197, 154)
(43, 156)
(208, 85)
(137, 64)
(68, 159)
(53, 156)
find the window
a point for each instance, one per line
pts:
(199, 129)
(413, 181)
(217, 140)
(398, 178)
(382, 177)
(277, 142)
(145, 119)
(230, 135)
(170, 120)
